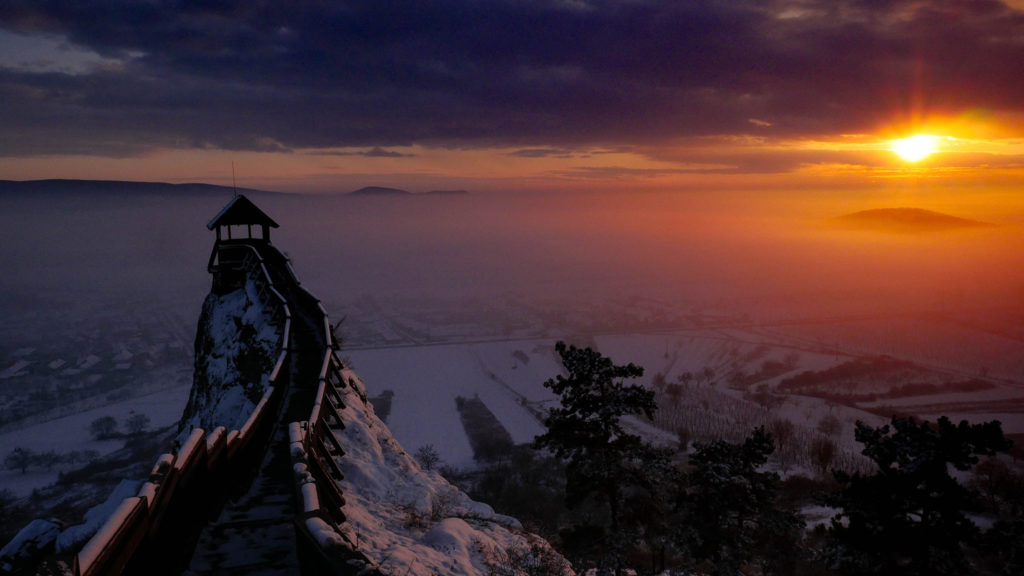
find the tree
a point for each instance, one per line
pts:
(604, 463)
(658, 381)
(103, 427)
(829, 425)
(19, 459)
(675, 392)
(909, 517)
(1004, 547)
(823, 453)
(782, 430)
(734, 506)
(428, 456)
(7, 501)
(47, 459)
(136, 423)
(76, 457)
(708, 373)
(683, 437)
(1001, 487)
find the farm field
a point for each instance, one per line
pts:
(735, 387)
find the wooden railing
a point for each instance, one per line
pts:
(198, 475)
(202, 469)
(315, 452)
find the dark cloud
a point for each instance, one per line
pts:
(546, 153)
(375, 152)
(529, 74)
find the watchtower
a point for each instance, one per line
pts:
(238, 223)
(240, 215)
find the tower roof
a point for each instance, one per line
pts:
(241, 210)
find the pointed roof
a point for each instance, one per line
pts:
(241, 210)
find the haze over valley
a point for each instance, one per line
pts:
(438, 292)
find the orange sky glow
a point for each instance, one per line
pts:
(283, 100)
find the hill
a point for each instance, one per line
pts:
(386, 191)
(905, 221)
(379, 191)
(118, 187)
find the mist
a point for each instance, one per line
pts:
(101, 293)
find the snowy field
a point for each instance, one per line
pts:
(508, 377)
(426, 380)
(72, 433)
(465, 297)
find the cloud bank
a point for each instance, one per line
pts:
(527, 74)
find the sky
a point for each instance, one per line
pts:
(495, 95)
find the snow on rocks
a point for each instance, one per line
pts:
(72, 538)
(236, 345)
(31, 541)
(412, 521)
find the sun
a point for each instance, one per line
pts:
(915, 148)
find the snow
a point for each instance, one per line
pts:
(38, 535)
(221, 396)
(325, 535)
(74, 536)
(115, 519)
(426, 380)
(15, 369)
(406, 519)
(163, 408)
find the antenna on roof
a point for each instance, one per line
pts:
(234, 187)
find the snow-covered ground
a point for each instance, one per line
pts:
(72, 433)
(427, 379)
(508, 377)
(412, 521)
(428, 281)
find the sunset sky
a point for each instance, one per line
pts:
(492, 95)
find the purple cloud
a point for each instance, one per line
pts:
(529, 75)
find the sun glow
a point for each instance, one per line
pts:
(915, 148)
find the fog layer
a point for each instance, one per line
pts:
(724, 252)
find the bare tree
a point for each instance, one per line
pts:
(829, 425)
(782, 431)
(136, 423)
(683, 434)
(428, 456)
(19, 459)
(675, 392)
(708, 373)
(103, 427)
(823, 453)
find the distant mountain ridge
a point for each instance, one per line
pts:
(138, 188)
(387, 191)
(379, 191)
(64, 186)
(905, 221)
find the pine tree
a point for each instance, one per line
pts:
(731, 506)
(909, 517)
(604, 463)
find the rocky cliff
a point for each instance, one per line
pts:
(236, 345)
(399, 517)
